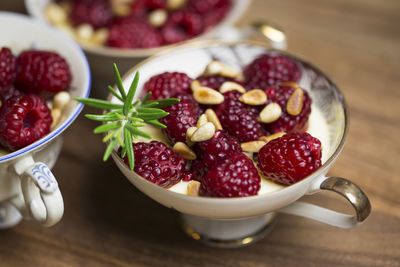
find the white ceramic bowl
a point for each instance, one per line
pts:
(101, 57)
(26, 183)
(203, 215)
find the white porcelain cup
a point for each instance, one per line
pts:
(240, 221)
(28, 189)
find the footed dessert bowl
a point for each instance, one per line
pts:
(237, 221)
(28, 189)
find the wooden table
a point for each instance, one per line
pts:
(108, 222)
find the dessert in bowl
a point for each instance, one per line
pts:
(213, 81)
(48, 69)
(102, 53)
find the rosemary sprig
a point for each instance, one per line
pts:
(123, 121)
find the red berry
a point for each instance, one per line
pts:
(141, 8)
(7, 92)
(238, 120)
(215, 16)
(270, 69)
(213, 151)
(168, 84)
(97, 13)
(182, 25)
(158, 163)
(212, 11)
(42, 71)
(216, 149)
(290, 158)
(206, 6)
(216, 81)
(288, 123)
(187, 176)
(236, 176)
(131, 32)
(23, 120)
(8, 67)
(182, 115)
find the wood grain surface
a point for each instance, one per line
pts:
(108, 222)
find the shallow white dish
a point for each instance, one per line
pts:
(37, 195)
(236, 218)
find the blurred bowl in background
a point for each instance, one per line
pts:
(102, 57)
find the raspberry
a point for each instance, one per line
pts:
(187, 176)
(288, 123)
(23, 120)
(141, 8)
(213, 151)
(7, 92)
(236, 176)
(97, 13)
(158, 163)
(181, 25)
(216, 81)
(206, 6)
(269, 69)
(290, 158)
(8, 67)
(214, 16)
(131, 32)
(218, 148)
(182, 115)
(238, 120)
(168, 84)
(42, 71)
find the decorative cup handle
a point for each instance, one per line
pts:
(42, 197)
(344, 187)
(273, 34)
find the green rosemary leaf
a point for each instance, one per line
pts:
(115, 93)
(123, 152)
(129, 147)
(105, 117)
(120, 141)
(97, 103)
(134, 119)
(107, 127)
(138, 124)
(109, 136)
(110, 148)
(146, 98)
(150, 110)
(119, 82)
(156, 123)
(151, 116)
(136, 131)
(131, 94)
(166, 102)
(135, 103)
(150, 104)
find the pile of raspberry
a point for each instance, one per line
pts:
(28, 84)
(232, 129)
(137, 23)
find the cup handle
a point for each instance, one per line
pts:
(345, 188)
(42, 196)
(273, 34)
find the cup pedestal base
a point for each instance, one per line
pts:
(9, 216)
(228, 233)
